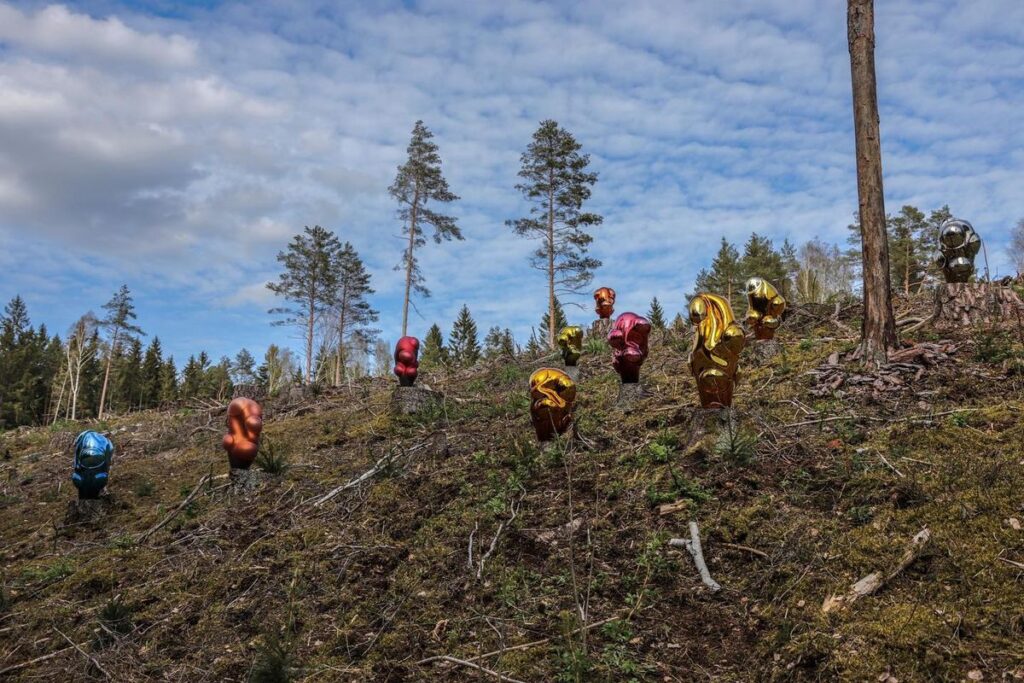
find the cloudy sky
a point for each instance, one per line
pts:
(177, 147)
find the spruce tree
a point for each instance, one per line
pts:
(129, 375)
(499, 343)
(656, 315)
(544, 329)
(760, 259)
(465, 348)
(120, 314)
(725, 277)
(417, 187)
(152, 371)
(243, 369)
(434, 353)
(556, 182)
(309, 282)
(353, 313)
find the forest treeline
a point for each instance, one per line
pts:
(103, 364)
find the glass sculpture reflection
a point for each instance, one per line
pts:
(764, 308)
(552, 394)
(714, 360)
(958, 245)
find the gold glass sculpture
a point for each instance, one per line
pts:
(552, 394)
(715, 357)
(765, 307)
(570, 343)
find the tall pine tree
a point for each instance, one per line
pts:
(556, 182)
(417, 187)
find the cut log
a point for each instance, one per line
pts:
(964, 304)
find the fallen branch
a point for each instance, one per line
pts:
(746, 549)
(174, 513)
(875, 581)
(37, 660)
(83, 653)
(463, 662)
(377, 468)
(513, 507)
(693, 546)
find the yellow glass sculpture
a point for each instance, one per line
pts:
(570, 343)
(552, 394)
(765, 307)
(715, 357)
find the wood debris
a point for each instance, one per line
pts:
(904, 367)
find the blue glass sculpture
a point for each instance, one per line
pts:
(93, 453)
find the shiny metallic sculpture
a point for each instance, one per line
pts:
(958, 245)
(628, 339)
(570, 343)
(93, 453)
(245, 423)
(407, 352)
(765, 307)
(552, 394)
(605, 300)
(714, 359)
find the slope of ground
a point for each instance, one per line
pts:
(545, 564)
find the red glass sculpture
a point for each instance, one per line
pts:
(605, 300)
(242, 442)
(628, 340)
(407, 352)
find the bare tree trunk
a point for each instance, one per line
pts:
(106, 374)
(339, 368)
(878, 332)
(552, 332)
(408, 262)
(310, 330)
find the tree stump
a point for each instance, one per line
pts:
(412, 400)
(964, 304)
(629, 395)
(83, 510)
(764, 350)
(600, 328)
(244, 481)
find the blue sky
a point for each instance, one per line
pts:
(176, 147)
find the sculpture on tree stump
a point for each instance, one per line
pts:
(407, 364)
(958, 245)
(764, 308)
(605, 302)
(552, 394)
(93, 453)
(714, 360)
(242, 442)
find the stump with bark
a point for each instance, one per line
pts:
(83, 510)
(412, 400)
(630, 393)
(245, 480)
(965, 304)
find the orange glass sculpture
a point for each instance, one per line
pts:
(407, 364)
(242, 442)
(714, 360)
(628, 339)
(605, 300)
(552, 394)
(764, 308)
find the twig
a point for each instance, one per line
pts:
(693, 546)
(889, 464)
(16, 667)
(84, 653)
(469, 559)
(175, 511)
(373, 471)
(463, 662)
(513, 507)
(1018, 565)
(752, 551)
(874, 581)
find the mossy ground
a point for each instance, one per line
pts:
(368, 584)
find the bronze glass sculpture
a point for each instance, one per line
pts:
(570, 343)
(764, 308)
(958, 245)
(628, 339)
(552, 394)
(605, 300)
(245, 423)
(714, 359)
